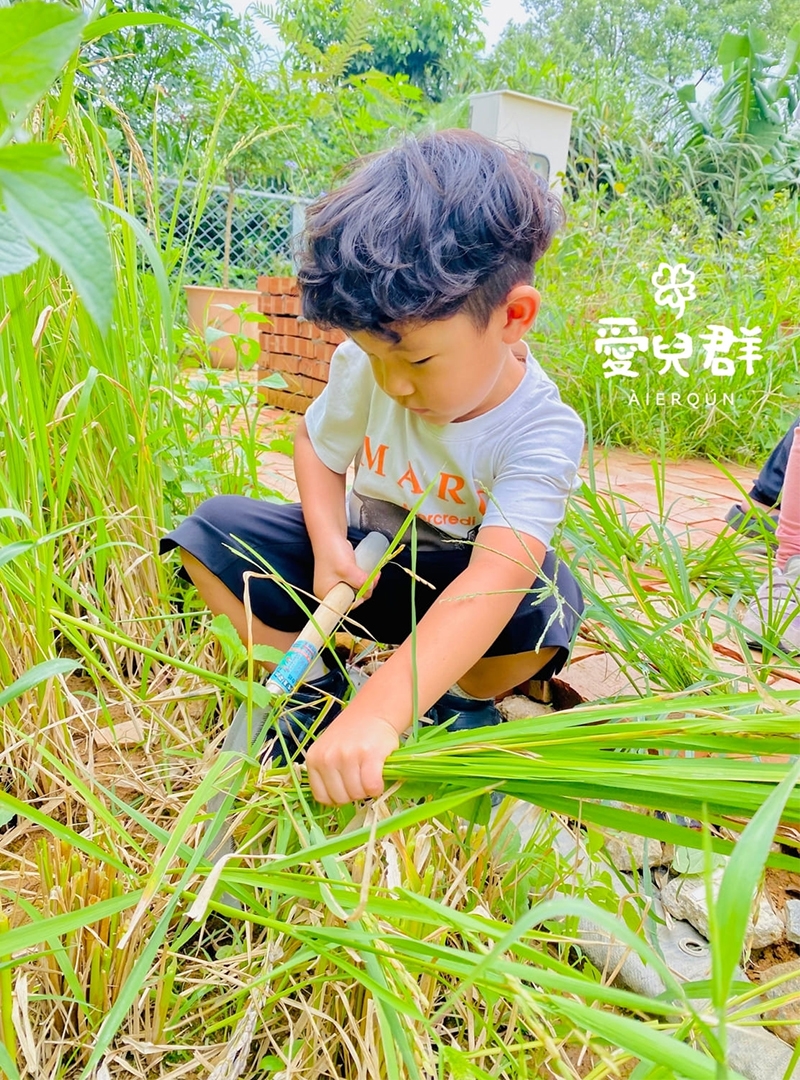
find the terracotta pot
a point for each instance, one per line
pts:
(204, 304)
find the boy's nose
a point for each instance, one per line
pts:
(395, 383)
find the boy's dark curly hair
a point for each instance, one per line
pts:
(445, 223)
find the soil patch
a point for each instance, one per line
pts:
(761, 960)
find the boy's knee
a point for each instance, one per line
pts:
(219, 510)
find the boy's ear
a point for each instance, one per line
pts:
(520, 309)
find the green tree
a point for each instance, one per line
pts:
(643, 38)
(207, 85)
(433, 43)
(171, 74)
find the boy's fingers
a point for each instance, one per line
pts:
(367, 594)
(352, 784)
(337, 791)
(372, 778)
(318, 789)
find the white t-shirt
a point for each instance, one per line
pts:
(513, 466)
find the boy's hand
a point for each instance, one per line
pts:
(338, 563)
(346, 761)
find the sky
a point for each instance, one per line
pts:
(496, 12)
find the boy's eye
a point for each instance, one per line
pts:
(418, 363)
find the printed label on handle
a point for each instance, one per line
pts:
(291, 669)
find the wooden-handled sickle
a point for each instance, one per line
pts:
(289, 672)
(331, 610)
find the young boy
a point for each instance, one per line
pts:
(424, 257)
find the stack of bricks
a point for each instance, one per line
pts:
(297, 349)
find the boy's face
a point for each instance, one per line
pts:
(449, 370)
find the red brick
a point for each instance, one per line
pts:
(323, 351)
(303, 376)
(315, 369)
(305, 329)
(280, 362)
(284, 399)
(277, 286)
(294, 384)
(290, 346)
(286, 324)
(335, 337)
(306, 385)
(280, 305)
(275, 343)
(301, 384)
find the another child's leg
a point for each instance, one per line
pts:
(771, 480)
(777, 602)
(765, 493)
(788, 531)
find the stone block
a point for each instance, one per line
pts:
(685, 898)
(789, 1032)
(792, 915)
(627, 850)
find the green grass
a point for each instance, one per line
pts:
(601, 266)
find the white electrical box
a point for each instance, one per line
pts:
(535, 125)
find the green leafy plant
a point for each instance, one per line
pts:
(44, 206)
(743, 143)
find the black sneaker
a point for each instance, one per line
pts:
(311, 708)
(469, 713)
(752, 521)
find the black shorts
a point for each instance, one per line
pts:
(545, 618)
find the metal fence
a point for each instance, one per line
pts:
(240, 233)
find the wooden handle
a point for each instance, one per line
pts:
(330, 611)
(328, 615)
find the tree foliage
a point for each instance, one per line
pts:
(430, 42)
(44, 209)
(744, 140)
(637, 39)
(168, 73)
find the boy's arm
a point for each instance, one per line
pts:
(322, 494)
(346, 762)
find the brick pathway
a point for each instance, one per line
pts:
(696, 493)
